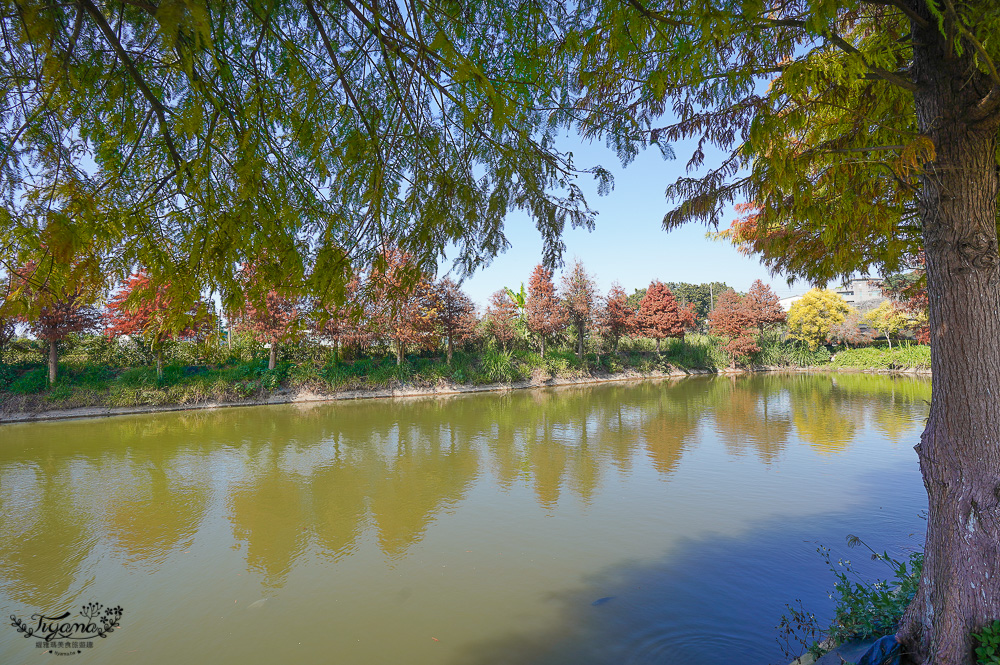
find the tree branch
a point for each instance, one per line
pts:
(903, 7)
(158, 108)
(884, 74)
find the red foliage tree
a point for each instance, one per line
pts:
(732, 318)
(763, 306)
(452, 311)
(58, 305)
(394, 294)
(578, 302)
(660, 316)
(544, 315)
(141, 308)
(616, 319)
(342, 323)
(271, 315)
(271, 321)
(501, 316)
(688, 315)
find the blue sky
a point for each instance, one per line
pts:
(628, 244)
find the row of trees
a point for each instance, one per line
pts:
(395, 304)
(391, 304)
(823, 317)
(819, 317)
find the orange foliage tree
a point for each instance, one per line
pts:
(615, 319)
(660, 316)
(732, 318)
(501, 317)
(394, 309)
(763, 306)
(451, 311)
(544, 315)
(578, 301)
(342, 323)
(909, 294)
(270, 314)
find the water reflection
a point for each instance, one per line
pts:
(323, 479)
(44, 539)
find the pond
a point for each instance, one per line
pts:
(645, 522)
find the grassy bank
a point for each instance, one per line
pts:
(94, 373)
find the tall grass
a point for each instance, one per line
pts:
(776, 353)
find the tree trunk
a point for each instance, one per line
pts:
(399, 353)
(959, 449)
(449, 350)
(579, 342)
(543, 345)
(887, 339)
(159, 364)
(53, 362)
(272, 359)
(657, 345)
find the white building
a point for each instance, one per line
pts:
(786, 303)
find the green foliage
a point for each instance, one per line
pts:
(864, 609)
(59, 392)
(871, 609)
(429, 128)
(775, 353)
(702, 295)
(85, 382)
(988, 651)
(695, 352)
(908, 356)
(32, 381)
(8, 374)
(560, 363)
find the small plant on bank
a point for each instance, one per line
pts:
(871, 609)
(864, 609)
(988, 651)
(798, 632)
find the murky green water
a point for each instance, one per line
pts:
(655, 522)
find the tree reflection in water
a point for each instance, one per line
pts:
(292, 480)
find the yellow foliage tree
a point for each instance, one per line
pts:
(890, 319)
(811, 317)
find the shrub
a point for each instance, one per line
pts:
(8, 374)
(32, 381)
(912, 356)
